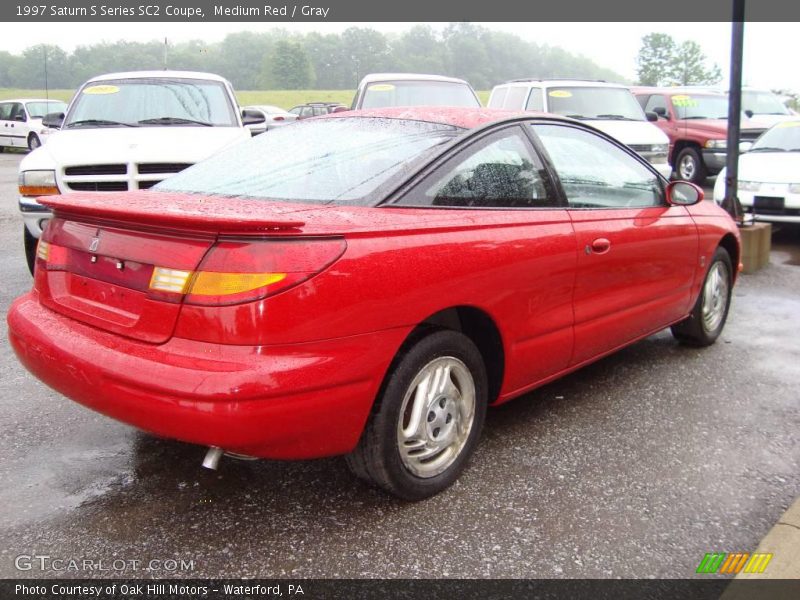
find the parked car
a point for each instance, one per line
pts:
(367, 283)
(696, 123)
(769, 176)
(274, 117)
(764, 108)
(21, 121)
(382, 90)
(608, 106)
(128, 131)
(316, 109)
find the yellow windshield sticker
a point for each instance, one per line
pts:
(101, 89)
(789, 124)
(381, 87)
(560, 94)
(683, 100)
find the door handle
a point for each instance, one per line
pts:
(599, 246)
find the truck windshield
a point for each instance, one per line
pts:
(152, 102)
(763, 103)
(594, 103)
(695, 106)
(418, 93)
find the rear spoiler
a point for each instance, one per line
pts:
(209, 214)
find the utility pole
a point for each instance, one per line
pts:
(731, 201)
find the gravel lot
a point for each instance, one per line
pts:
(633, 467)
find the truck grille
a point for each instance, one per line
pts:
(118, 177)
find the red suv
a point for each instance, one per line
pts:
(697, 126)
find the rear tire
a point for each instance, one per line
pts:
(30, 248)
(427, 419)
(707, 319)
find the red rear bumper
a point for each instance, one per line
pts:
(299, 401)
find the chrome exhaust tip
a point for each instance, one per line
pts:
(212, 458)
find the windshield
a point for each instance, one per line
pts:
(418, 93)
(594, 103)
(152, 102)
(763, 103)
(325, 161)
(782, 137)
(693, 106)
(37, 110)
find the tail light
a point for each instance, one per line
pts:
(234, 271)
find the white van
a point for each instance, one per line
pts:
(608, 106)
(128, 131)
(21, 121)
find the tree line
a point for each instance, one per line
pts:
(279, 59)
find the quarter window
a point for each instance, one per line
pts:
(597, 174)
(499, 172)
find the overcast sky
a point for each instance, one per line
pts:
(770, 49)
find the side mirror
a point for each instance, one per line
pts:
(651, 116)
(744, 147)
(53, 120)
(684, 193)
(252, 117)
(661, 112)
(749, 113)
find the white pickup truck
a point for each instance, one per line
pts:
(128, 131)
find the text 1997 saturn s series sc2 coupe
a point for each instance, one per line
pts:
(367, 284)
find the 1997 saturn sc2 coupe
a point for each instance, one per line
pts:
(367, 284)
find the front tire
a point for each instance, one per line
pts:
(427, 419)
(33, 142)
(707, 319)
(690, 166)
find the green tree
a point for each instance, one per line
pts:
(365, 50)
(656, 59)
(289, 66)
(688, 66)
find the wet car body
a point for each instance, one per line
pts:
(536, 290)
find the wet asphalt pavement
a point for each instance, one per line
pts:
(633, 467)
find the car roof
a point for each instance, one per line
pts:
(464, 118)
(158, 75)
(563, 82)
(33, 100)
(373, 77)
(697, 91)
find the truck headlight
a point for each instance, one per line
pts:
(37, 183)
(716, 144)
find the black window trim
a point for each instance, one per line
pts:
(466, 144)
(543, 152)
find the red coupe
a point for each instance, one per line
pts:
(367, 284)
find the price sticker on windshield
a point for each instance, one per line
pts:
(683, 100)
(381, 87)
(560, 94)
(101, 89)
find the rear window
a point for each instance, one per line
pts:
(418, 93)
(338, 160)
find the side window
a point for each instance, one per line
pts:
(515, 98)
(657, 101)
(535, 100)
(498, 97)
(5, 111)
(595, 173)
(500, 171)
(17, 112)
(307, 111)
